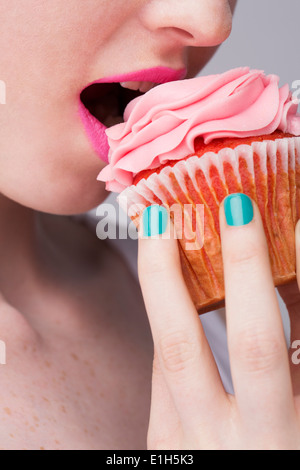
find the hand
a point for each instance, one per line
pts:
(190, 408)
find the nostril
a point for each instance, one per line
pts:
(182, 33)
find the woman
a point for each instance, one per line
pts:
(79, 350)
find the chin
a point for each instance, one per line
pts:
(75, 206)
(76, 201)
(71, 197)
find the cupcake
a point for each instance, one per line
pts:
(188, 144)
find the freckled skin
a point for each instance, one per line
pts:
(69, 389)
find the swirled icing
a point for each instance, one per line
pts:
(162, 125)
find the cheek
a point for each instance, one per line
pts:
(46, 160)
(48, 165)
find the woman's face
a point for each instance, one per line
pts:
(51, 50)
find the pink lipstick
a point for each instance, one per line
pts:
(107, 99)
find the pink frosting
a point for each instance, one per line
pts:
(162, 124)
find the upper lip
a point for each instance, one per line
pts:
(155, 75)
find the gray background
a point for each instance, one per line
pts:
(265, 36)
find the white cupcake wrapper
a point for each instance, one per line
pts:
(272, 169)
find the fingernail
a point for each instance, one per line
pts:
(238, 209)
(155, 220)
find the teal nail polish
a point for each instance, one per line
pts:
(238, 209)
(155, 220)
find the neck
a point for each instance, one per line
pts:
(42, 262)
(18, 245)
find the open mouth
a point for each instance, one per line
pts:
(107, 101)
(102, 103)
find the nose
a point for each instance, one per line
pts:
(195, 23)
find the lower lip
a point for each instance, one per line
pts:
(95, 129)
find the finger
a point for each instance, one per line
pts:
(164, 426)
(291, 297)
(183, 351)
(257, 348)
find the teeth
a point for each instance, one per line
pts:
(146, 86)
(143, 87)
(131, 85)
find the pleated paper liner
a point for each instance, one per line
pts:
(267, 171)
